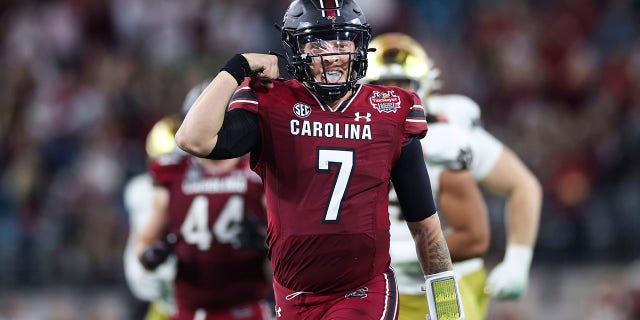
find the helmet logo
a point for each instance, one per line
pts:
(326, 6)
(385, 101)
(302, 110)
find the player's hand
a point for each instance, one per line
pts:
(146, 285)
(510, 278)
(264, 67)
(252, 235)
(150, 285)
(157, 253)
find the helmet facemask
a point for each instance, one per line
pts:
(310, 52)
(314, 32)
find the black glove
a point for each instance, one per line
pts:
(158, 252)
(252, 235)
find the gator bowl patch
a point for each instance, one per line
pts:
(385, 101)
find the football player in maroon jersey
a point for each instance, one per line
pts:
(209, 214)
(326, 149)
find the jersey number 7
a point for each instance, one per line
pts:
(344, 159)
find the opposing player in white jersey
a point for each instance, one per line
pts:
(462, 211)
(401, 61)
(153, 286)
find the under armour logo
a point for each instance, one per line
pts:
(367, 117)
(278, 311)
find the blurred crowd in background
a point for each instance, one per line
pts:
(83, 81)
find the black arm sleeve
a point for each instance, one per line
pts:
(411, 181)
(239, 134)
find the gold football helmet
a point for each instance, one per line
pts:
(400, 57)
(161, 138)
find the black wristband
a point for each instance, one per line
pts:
(152, 257)
(158, 252)
(238, 67)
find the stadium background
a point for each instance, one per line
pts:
(82, 82)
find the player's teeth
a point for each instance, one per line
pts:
(333, 76)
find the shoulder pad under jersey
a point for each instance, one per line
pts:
(171, 158)
(447, 145)
(455, 109)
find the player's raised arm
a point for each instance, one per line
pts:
(198, 133)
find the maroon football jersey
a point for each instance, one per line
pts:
(216, 269)
(326, 176)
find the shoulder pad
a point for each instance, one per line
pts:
(455, 109)
(447, 145)
(172, 158)
(165, 167)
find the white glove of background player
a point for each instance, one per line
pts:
(510, 278)
(148, 285)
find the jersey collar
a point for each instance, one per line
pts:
(343, 105)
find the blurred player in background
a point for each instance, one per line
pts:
(152, 286)
(210, 215)
(463, 214)
(401, 61)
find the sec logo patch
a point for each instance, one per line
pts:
(302, 110)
